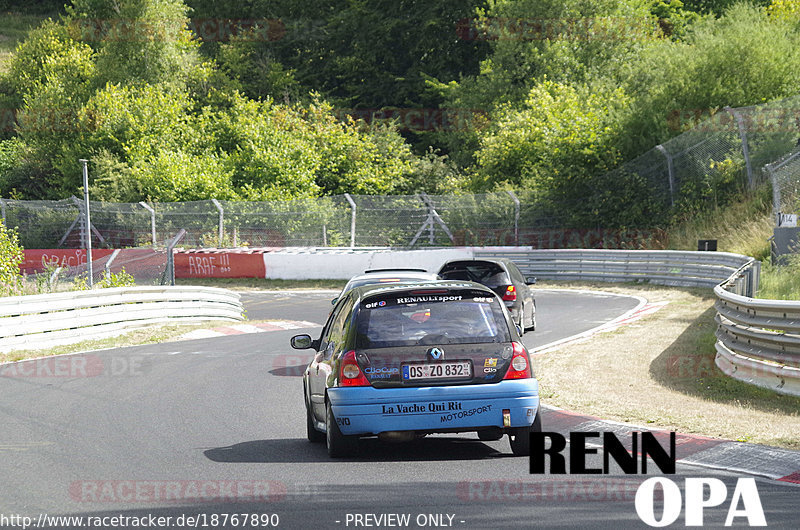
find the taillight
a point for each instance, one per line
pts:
(511, 294)
(520, 363)
(349, 372)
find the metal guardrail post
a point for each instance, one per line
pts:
(87, 220)
(516, 217)
(110, 261)
(755, 277)
(152, 221)
(352, 220)
(670, 173)
(745, 149)
(170, 244)
(221, 234)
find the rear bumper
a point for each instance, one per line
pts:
(369, 411)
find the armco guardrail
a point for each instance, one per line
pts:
(45, 320)
(758, 341)
(667, 267)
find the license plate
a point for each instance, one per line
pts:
(443, 370)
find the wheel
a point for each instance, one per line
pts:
(520, 437)
(533, 319)
(339, 445)
(311, 432)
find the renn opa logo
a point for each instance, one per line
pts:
(745, 501)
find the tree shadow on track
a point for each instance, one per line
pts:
(433, 449)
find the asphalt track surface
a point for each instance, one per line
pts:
(204, 428)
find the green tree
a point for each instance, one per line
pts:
(144, 41)
(557, 147)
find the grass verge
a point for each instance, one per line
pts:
(148, 335)
(780, 282)
(742, 227)
(660, 371)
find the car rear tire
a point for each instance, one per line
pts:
(339, 445)
(532, 327)
(520, 437)
(312, 433)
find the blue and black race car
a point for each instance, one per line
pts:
(404, 360)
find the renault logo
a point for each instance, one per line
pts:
(437, 354)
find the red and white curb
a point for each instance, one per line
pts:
(241, 329)
(691, 449)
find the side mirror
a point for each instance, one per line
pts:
(302, 342)
(519, 329)
(530, 280)
(333, 302)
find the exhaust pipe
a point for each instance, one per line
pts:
(396, 436)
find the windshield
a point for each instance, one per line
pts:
(454, 318)
(489, 274)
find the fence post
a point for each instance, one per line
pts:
(87, 220)
(152, 221)
(170, 244)
(516, 217)
(110, 261)
(3, 210)
(776, 193)
(431, 226)
(433, 217)
(221, 230)
(670, 173)
(352, 220)
(745, 149)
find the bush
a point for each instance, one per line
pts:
(11, 256)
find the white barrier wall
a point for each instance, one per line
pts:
(343, 264)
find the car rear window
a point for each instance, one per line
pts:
(485, 273)
(447, 318)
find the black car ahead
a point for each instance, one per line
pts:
(404, 360)
(504, 278)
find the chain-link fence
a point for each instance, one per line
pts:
(719, 155)
(784, 174)
(337, 221)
